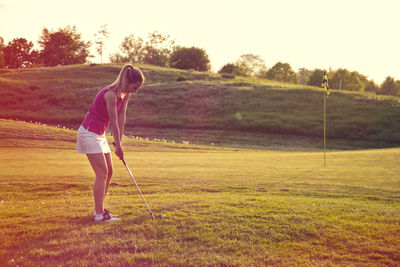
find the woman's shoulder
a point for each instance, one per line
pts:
(110, 95)
(108, 88)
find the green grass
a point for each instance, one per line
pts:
(223, 206)
(205, 102)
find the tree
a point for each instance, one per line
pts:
(63, 47)
(350, 80)
(282, 72)
(189, 58)
(369, 85)
(250, 65)
(158, 49)
(155, 51)
(398, 87)
(131, 48)
(354, 82)
(232, 69)
(2, 56)
(228, 68)
(303, 75)
(315, 78)
(118, 58)
(100, 36)
(389, 87)
(18, 54)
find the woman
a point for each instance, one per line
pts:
(108, 108)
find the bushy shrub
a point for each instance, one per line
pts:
(189, 58)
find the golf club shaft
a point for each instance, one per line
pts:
(130, 173)
(140, 192)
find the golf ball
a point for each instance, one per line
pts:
(163, 216)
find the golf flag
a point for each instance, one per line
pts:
(325, 83)
(326, 88)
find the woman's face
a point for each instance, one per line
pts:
(133, 87)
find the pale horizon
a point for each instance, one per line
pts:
(356, 35)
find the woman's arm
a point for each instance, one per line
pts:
(111, 101)
(122, 115)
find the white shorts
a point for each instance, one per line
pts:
(91, 143)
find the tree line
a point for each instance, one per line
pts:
(65, 46)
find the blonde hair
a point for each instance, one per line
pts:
(127, 75)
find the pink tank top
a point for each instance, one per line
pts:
(97, 119)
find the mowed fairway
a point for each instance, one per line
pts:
(223, 206)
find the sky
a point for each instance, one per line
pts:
(357, 35)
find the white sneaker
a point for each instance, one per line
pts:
(106, 212)
(111, 214)
(104, 217)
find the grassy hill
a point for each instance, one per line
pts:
(223, 206)
(203, 104)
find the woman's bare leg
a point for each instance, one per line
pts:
(99, 165)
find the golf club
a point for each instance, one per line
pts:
(130, 173)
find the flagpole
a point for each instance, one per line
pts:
(326, 93)
(324, 128)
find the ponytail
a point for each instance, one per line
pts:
(127, 75)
